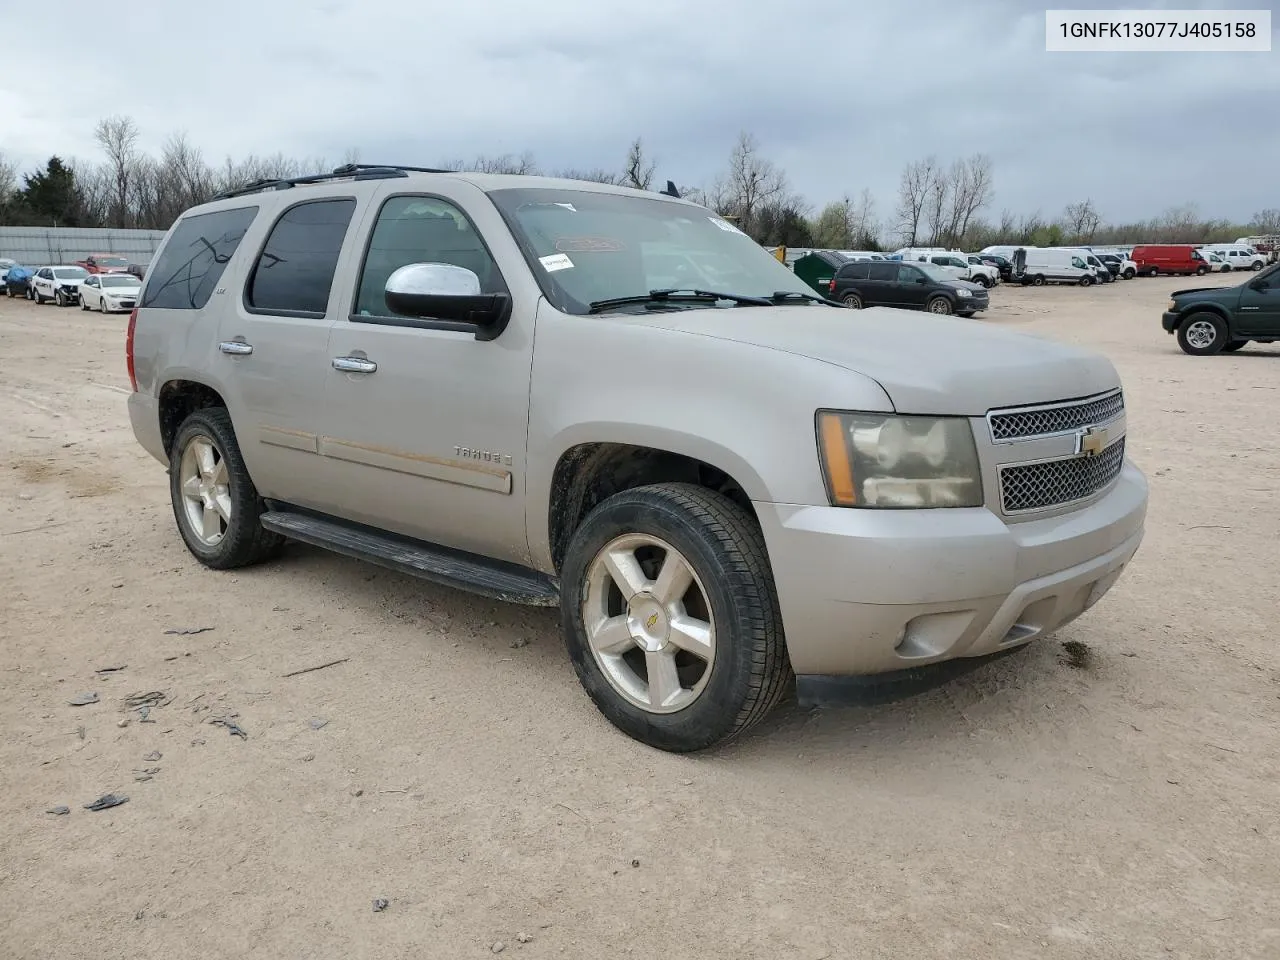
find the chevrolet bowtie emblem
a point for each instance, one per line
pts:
(653, 618)
(1091, 442)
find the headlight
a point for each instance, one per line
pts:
(1173, 305)
(890, 461)
(964, 293)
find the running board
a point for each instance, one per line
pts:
(452, 568)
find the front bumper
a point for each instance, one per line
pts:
(871, 592)
(1169, 321)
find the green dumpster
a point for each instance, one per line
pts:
(817, 267)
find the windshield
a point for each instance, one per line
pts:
(71, 273)
(585, 247)
(123, 280)
(111, 262)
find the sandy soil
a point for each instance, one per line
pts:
(1125, 809)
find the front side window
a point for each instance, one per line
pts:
(191, 264)
(1077, 262)
(419, 229)
(294, 272)
(584, 247)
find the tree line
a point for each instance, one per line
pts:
(937, 204)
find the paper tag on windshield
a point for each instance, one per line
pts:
(725, 225)
(557, 261)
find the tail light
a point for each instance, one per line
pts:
(831, 285)
(128, 350)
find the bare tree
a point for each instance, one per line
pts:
(1007, 228)
(597, 175)
(8, 178)
(1081, 221)
(118, 137)
(913, 193)
(971, 190)
(937, 202)
(1264, 221)
(639, 169)
(751, 182)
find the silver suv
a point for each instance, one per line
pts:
(563, 393)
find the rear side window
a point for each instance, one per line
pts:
(294, 272)
(854, 271)
(186, 273)
(884, 271)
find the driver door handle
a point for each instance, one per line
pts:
(354, 365)
(237, 348)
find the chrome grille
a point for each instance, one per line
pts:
(1024, 422)
(1052, 483)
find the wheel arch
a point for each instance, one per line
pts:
(1216, 309)
(178, 399)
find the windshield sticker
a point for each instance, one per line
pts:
(557, 261)
(725, 225)
(589, 245)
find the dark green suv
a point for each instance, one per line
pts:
(1209, 320)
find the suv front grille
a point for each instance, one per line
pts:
(1052, 483)
(1026, 422)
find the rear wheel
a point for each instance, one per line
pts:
(1202, 335)
(940, 306)
(671, 617)
(1257, 265)
(215, 503)
(982, 280)
(1038, 280)
(852, 301)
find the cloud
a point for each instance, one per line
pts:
(842, 95)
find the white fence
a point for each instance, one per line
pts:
(43, 246)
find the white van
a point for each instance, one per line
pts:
(1241, 256)
(1048, 265)
(953, 264)
(1101, 274)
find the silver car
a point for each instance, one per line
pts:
(724, 482)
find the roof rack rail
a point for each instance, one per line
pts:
(349, 171)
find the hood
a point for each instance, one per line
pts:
(925, 363)
(964, 285)
(1190, 290)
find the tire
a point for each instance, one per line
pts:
(1153, 272)
(1256, 266)
(1129, 274)
(731, 585)
(242, 540)
(1201, 271)
(982, 281)
(35, 297)
(83, 306)
(940, 306)
(102, 307)
(1202, 335)
(59, 298)
(1235, 345)
(1038, 280)
(852, 301)
(1086, 281)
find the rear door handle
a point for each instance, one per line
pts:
(354, 365)
(237, 348)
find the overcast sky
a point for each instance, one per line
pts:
(841, 94)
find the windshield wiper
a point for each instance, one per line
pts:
(675, 294)
(781, 296)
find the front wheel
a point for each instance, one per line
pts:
(1037, 280)
(1129, 274)
(1257, 265)
(940, 306)
(671, 618)
(1201, 271)
(852, 301)
(215, 503)
(102, 306)
(1153, 272)
(1086, 281)
(982, 281)
(1202, 335)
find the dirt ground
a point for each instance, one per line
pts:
(1122, 807)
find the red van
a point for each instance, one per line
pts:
(1179, 258)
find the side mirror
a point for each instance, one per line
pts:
(442, 291)
(1261, 285)
(922, 280)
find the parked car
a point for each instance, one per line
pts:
(17, 281)
(1049, 265)
(5, 266)
(1217, 264)
(1176, 258)
(1002, 264)
(110, 292)
(139, 270)
(352, 363)
(60, 284)
(1239, 255)
(1209, 320)
(104, 263)
(908, 286)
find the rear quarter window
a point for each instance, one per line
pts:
(189, 267)
(854, 271)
